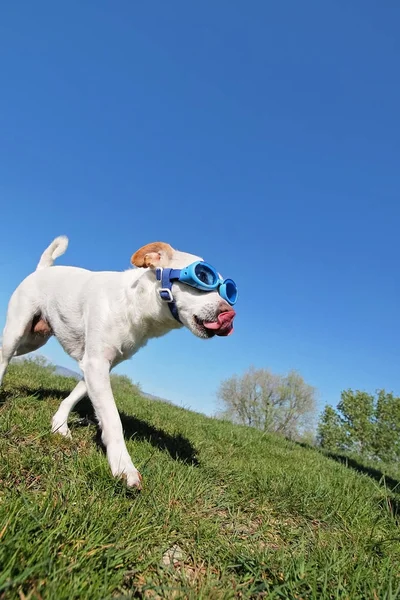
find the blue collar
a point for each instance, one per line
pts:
(167, 277)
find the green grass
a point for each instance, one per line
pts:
(248, 515)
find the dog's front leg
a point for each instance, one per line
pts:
(97, 377)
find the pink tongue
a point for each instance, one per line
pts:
(224, 324)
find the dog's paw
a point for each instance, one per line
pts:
(123, 467)
(61, 427)
(130, 475)
(133, 479)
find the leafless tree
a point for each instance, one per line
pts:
(284, 404)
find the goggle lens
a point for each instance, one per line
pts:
(228, 291)
(205, 274)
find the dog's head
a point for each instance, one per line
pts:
(205, 313)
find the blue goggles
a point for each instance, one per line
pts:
(203, 276)
(199, 275)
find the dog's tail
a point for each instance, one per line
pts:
(56, 249)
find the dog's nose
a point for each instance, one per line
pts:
(224, 307)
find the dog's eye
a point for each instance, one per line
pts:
(205, 275)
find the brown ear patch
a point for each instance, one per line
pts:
(156, 254)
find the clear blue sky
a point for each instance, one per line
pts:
(264, 136)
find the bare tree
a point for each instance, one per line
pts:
(259, 398)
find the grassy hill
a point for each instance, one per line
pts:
(226, 512)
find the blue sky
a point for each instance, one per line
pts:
(263, 136)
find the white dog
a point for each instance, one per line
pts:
(103, 318)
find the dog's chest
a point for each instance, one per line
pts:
(128, 345)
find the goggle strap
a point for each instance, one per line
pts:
(166, 276)
(174, 274)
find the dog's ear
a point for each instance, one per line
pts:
(157, 254)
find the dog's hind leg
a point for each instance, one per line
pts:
(19, 319)
(59, 423)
